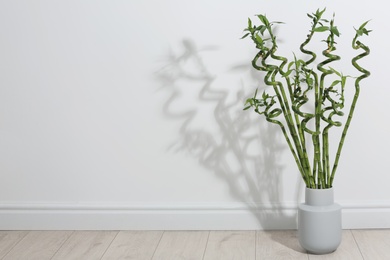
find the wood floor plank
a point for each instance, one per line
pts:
(137, 245)
(177, 245)
(85, 245)
(348, 250)
(8, 239)
(279, 244)
(231, 245)
(39, 245)
(373, 244)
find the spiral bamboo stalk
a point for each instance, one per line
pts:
(322, 169)
(286, 107)
(366, 51)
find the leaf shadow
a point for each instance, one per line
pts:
(227, 148)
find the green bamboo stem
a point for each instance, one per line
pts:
(356, 45)
(325, 140)
(307, 117)
(270, 80)
(270, 119)
(278, 89)
(334, 108)
(286, 106)
(297, 113)
(323, 174)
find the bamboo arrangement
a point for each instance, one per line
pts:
(306, 99)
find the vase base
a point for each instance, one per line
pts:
(316, 253)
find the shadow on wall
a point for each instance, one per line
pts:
(228, 148)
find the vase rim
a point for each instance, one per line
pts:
(319, 189)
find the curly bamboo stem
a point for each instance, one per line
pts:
(356, 45)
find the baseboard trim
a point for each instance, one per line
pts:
(221, 216)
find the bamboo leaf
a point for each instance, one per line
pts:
(335, 31)
(362, 30)
(262, 29)
(249, 23)
(363, 25)
(321, 29)
(245, 36)
(259, 39)
(366, 32)
(335, 71)
(319, 13)
(310, 82)
(334, 83)
(249, 101)
(263, 19)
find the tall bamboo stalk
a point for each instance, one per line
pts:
(366, 51)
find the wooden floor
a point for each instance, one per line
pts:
(194, 245)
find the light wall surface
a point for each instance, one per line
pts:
(128, 115)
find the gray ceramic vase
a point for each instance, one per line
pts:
(319, 222)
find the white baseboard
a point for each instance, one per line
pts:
(180, 217)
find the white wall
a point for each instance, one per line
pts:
(128, 115)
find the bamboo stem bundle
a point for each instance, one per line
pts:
(295, 84)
